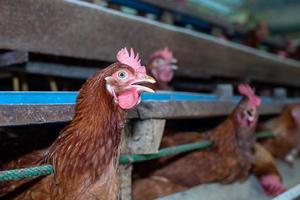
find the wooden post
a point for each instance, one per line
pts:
(24, 83)
(125, 170)
(280, 93)
(224, 91)
(53, 84)
(16, 83)
(167, 18)
(146, 136)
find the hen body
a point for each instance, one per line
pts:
(233, 156)
(86, 153)
(286, 129)
(84, 156)
(229, 159)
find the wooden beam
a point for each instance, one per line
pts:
(146, 136)
(12, 115)
(13, 58)
(125, 171)
(78, 29)
(51, 69)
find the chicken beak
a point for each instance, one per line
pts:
(174, 67)
(143, 79)
(147, 79)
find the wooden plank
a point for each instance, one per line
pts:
(51, 69)
(13, 57)
(175, 110)
(78, 29)
(22, 108)
(146, 136)
(12, 115)
(125, 181)
(125, 171)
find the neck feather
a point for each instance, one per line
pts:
(89, 145)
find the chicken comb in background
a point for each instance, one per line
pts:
(248, 92)
(161, 65)
(123, 56)
(164, 53)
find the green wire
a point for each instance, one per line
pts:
(264, 135)
(17, 174)
(125, 159)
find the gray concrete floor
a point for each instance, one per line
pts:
(248, 190)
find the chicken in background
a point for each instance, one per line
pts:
(255, 37)
(85, 155)
(161, 66)
(264, 168)
(231, 158)
(286, 129)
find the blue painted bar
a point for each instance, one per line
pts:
(26, 98)
(139, 6)
(58, 98)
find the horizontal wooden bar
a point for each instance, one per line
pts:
(12, 115)
(77, 29)
(15, 115)
(56, 70)
(13, 57)
(27, 108)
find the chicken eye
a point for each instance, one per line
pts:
(158, 62)
(122, 74)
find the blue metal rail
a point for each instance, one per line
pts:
(32, 98)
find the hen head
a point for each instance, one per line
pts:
(162, 65)
(124, 79)
(247, 114)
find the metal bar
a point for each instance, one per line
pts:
(59, 98)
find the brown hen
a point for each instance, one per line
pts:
(230, 159)
(161, 66)
(85, 155)
(286, 129)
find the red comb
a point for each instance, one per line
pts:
(123, 56)
(248, 92)
(164, 53)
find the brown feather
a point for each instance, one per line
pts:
(85, 155)
(286, 131)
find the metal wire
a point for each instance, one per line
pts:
(36, 171)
